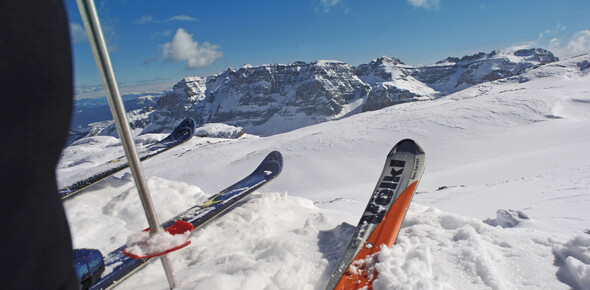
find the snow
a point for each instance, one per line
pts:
(82, 160)
(219, 130)
(141, 244)
(503, 203)
(327, 62)
(439, 250)
(350, 108)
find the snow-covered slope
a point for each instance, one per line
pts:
(503, 203)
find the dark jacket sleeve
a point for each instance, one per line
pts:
(36, 92)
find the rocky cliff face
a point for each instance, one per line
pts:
(391, 83)
(271, 99)
(298, 94)
(454, 74)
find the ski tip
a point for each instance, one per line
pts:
(188, 122)
(183, 132)
(188, 126)
(272, 165)
(407, 145)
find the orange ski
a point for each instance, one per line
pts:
(382, 219)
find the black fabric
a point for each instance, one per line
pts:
(36, 102)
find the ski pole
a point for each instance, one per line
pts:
(103, 62)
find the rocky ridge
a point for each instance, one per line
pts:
(271, 99)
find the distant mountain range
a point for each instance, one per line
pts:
(271, 99)
(92, 110)
(92, 115)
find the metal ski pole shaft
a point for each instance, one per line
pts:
(101, 56)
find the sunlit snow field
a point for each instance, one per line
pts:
(504, 202)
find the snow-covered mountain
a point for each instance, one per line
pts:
(271, 99)
(503, 203)
(91, 116)
(454, 74)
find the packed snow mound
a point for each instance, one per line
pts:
(147, 139)
(573, 260)
(219, 130)
(507, 218)
(439, 250)
(142, 244)
(274, 240)
(115, 203)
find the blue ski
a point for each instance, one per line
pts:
(120, 266)
(181, 134)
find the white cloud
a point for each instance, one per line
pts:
(561, 44)
(184, 48)
(554, 44)
(145, 19)
(149, 19)
(164, 33)
(77, 33)
(182, 18)
(564, 46)
(326, 5)
(519, 46)
(427, 4)
(580, 43)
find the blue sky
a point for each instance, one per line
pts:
(155, 43)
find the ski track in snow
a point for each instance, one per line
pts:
(503, 203)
